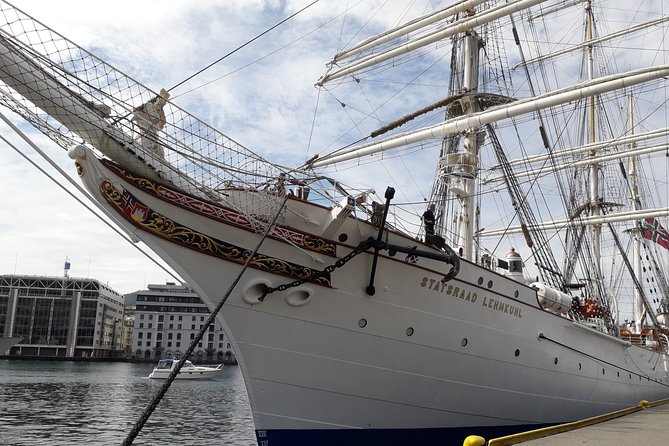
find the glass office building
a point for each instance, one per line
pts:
(61, 316)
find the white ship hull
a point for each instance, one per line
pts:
(432, 361)
(366, 353)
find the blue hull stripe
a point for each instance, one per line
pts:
(384, 437)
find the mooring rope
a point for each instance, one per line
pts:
(168, 381)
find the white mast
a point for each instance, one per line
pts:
(638, 301)
(595, 210)
(471, 146)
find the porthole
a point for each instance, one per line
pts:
(602, 371)
(480, 281)
(464, 342)
(517, 352)
(489, 283)
(618, 373)
(579, 366)
(516, 294)
(555, 361)
(362, 323)
(343, 237)
(409, 331)
(630, 376)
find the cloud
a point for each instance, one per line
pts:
(263, 96)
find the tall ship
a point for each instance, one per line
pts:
(354, 322)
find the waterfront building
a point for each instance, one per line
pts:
(61, 316)
(126, 332)
(167, 318)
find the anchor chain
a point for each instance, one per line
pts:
(362, 247)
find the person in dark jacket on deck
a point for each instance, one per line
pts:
(428, 220)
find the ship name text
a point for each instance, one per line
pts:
(461, 293)
(502, 307)
(450, 290)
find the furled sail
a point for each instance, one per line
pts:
(573, 93)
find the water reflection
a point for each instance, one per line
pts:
(61, 403)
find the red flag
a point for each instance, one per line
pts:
(653, 230)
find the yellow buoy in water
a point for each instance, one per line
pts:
(474, 440)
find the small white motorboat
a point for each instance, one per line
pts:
(188, 371)
(6, 344)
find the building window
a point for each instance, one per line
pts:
(160, 326)
(141, 316)
(148, 343)
(141, 325)
(150, 317)
(171, 317)
(169, 344)
(148, 335)
(161, 318)
(171, 326)
(220, 337)
(193, 317)
(192, 327)
(178, 335)
(169, 335)
(139, 343)
(178, 344)
(180, 318)
(192, 335)
(179, 326)
(201, 318)
(150, 325)
(159, 336)
(140, 335)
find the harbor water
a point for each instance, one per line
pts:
(64, 403)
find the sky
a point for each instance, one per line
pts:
(268, 106)
(262, 96)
